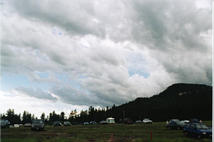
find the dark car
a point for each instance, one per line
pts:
(75, 123)
(195, 120)
(127, 121)
(37, 125)
(198, 130)
(174, 124)
(4, 123)
(57, 124)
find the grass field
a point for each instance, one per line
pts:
(99, 133)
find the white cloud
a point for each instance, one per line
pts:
(20, 102)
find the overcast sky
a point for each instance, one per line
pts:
(70, 54)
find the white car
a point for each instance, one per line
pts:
(138, 121)
(185, 121)
(16, 125)
(67, 123)
(85, 123)
(27, 125)
(147, 121)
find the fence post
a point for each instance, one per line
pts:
(151, 135)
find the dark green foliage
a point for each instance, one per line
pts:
(53, 117)
(62, 116)
(12, 117)
(43, 116)
(26, 117)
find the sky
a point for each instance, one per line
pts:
(65, 55)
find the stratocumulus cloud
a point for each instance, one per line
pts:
(103, 52)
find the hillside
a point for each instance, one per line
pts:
(183, 101)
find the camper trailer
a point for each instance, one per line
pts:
(110, 120)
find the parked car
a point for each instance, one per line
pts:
(57, 124)
(85, 123)
(27, 125)
(103, 122)
(194, 120)
(4, 123)
(7, 122)
(37, 124)
(11, 126)
(127, 121)
(147, 121)
(92, 122)
(16, 125)
(67, 123)
(174, 124)
(183, 123)
(198, 130)
(138, 121)
(75, 123)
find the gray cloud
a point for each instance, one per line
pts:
(177, 37)
(76, 16)
(167, 22)
(37, 93)
(73, 96)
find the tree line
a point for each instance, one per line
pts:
(182, 101)
(92, 114)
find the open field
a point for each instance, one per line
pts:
(99, 133)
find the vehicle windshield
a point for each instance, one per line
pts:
(201, 126)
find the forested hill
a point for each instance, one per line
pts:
(183, 101)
